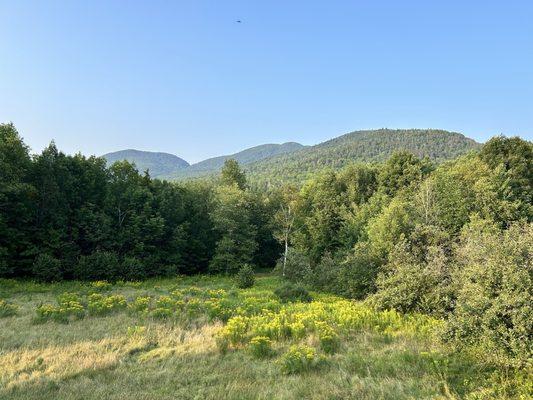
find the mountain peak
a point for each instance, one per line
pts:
(157, 163)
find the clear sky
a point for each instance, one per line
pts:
(184, 77)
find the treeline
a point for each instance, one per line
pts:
(453, 240)
(70, 217)
(362, 146)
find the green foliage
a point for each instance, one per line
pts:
(394, 222)
(402, 171)
(15, 202)
(69, 308)
(133, 269)
(360, 146)
(328, 338)
(300, 358)
(47, 268)
(99, 304)
(100, 286)
(494, 282)
(514, 157)
(7, 309)
(409, 284)
(260, 347)
(232, 220)
(245, 277)
(290, 292)
(231, 174)
(325, 274)
(297, 267)
(356, 275)
(100, 265)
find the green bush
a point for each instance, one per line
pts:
(102, 305)
(245, 277)
(69, 308)
(329, 339)
(357, 274)
(260, 347)
(299, 358)
(297, 267)
(133, 269)
(325, 274)
(408, 284)
(7, 309)
(290, 292)
(494, 281)
(46, 268)
(100, 265)
(141, 304)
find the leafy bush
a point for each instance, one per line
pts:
(325, 274)
(46, 268)
(357, 273)
(141, 304)
(7, 309)
(245, 277)
(329, 339)
(69, 307)
(299, 358)
(260, 347)
(133, 269)
(409, 284)
(236, 330)
(102, 305)
(494, 282)
(290, 292)
(297, 267)
(100, 265)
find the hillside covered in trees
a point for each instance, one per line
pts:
(244, 157)
(360, 146)
(293, 163)
(452, 239)
(156, 163)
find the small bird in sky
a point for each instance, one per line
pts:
(238, 21)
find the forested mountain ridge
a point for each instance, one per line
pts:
(155, 162)
(361, 146)
(244, 157)
(294, 162)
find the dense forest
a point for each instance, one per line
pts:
(359, 146)
(453, 239)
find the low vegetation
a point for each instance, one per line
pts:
(189, 336)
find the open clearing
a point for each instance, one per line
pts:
(172, 340)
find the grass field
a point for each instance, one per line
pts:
(201, 338)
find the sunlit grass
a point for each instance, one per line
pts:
(200, 337)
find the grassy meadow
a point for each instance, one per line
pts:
(202, 338)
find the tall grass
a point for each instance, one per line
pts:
(200, 337)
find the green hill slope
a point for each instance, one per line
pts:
(360, 146)
(253, 154)
(158, 164)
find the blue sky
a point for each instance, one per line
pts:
(184, 77)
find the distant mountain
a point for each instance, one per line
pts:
(253, 154)
(360, 146)
(292, 162)
(158, 164)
